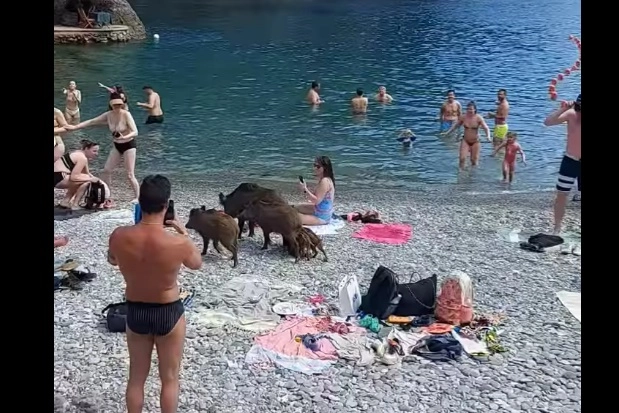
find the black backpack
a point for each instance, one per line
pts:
(382, 297)
(116, 317)
(95, 196)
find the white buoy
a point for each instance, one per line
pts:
(156, 36)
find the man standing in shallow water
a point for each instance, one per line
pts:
(451, 110)
(155, 113)
(149, 259)
(569, 171)
(500, 119)
(313, 98)
(359, 103)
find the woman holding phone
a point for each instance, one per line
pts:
(124, 131)
(320, 207)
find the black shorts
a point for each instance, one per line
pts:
(569, 173)
(154, 119)
(153, 318)
(125, 146)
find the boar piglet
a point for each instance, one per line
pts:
(217, 226)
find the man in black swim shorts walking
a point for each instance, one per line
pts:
(155, 113)
(150, 258)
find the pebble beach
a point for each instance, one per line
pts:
(540, 372)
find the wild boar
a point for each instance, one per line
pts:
(217, 226)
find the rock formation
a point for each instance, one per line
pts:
(121, 11)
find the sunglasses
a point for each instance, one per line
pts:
(317, 165)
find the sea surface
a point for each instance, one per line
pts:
(233, 75)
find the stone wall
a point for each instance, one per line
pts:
(91, 37)
(121, 11)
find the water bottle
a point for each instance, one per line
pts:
(137, 213)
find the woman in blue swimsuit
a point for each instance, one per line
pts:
(320, 208)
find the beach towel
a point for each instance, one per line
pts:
(62, 214)
(328, 229)
(571, 301)
(280, 347)
(393, 234)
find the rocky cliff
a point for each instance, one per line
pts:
(121, 11)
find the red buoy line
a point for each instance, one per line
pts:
(552, 88)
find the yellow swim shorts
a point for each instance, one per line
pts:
(500, 131)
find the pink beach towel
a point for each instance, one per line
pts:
(394, 234)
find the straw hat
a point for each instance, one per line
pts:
(116, 102)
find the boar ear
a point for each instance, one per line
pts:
(203, 208)
(222, 198)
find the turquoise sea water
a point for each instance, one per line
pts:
(233, 75)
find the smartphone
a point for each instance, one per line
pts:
(169, 213)
(116, 134)
(137, 214)
(301, 179)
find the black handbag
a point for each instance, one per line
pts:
(418, 298)
(116, 317)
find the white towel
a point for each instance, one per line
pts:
(328, 229)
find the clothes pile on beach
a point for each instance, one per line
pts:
(393, 322)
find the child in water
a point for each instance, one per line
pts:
(407, 137)
(512, 149)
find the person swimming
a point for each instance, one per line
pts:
(359, 103)
(407, 137)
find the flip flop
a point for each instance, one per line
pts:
(83, 273)
(71, 282)
(531, 247)
(68, 265)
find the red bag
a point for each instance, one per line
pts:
(454, 304)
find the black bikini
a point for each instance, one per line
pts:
(153, 318)
(125, 146)
(68, 163)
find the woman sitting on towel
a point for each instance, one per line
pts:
(71, 173)
(320, 208)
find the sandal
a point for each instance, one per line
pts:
(71, 282)
(107, 204)
(68, 265)
(83, 273)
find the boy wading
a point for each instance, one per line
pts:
(149, 258)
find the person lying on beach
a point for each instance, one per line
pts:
(320, 208)
(118, 89)
(470, 144)
(407, 137)
(150, 258)
(512, 149)
(382, 96)
(60, 241)
(71, 173)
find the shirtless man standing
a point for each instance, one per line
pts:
(500, 119)
(382, 96)
(313, 98)
(149, 259)
(155, 114)
(451, 110)
(73, 101)
(569, 171)
(359, 103)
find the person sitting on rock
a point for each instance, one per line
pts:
(71, 173)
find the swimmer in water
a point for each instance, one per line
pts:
(382, 96)
(359, 103)
(451, 110)
(313, 98)
(500, 119)
(73, 102)
(512, 149)
(470, 144)
(155, 114)
(407, 137)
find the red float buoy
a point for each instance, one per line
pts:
(567, 72)
(560, 76)
(553, 95)
(553, 82)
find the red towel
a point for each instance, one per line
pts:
(394, 234)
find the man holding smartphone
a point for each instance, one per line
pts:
(150, 258)
(569, 171)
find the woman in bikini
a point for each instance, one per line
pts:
(73, 102)
(59, 127)
(320, 208)
(71, 173)
(470, 141)
(123, 129)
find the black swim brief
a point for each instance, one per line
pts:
(125, 146)
(154, 119)
(153, 318)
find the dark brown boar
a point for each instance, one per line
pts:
(309, 244)
(217, 226)
(275, 217)
(242, 196)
